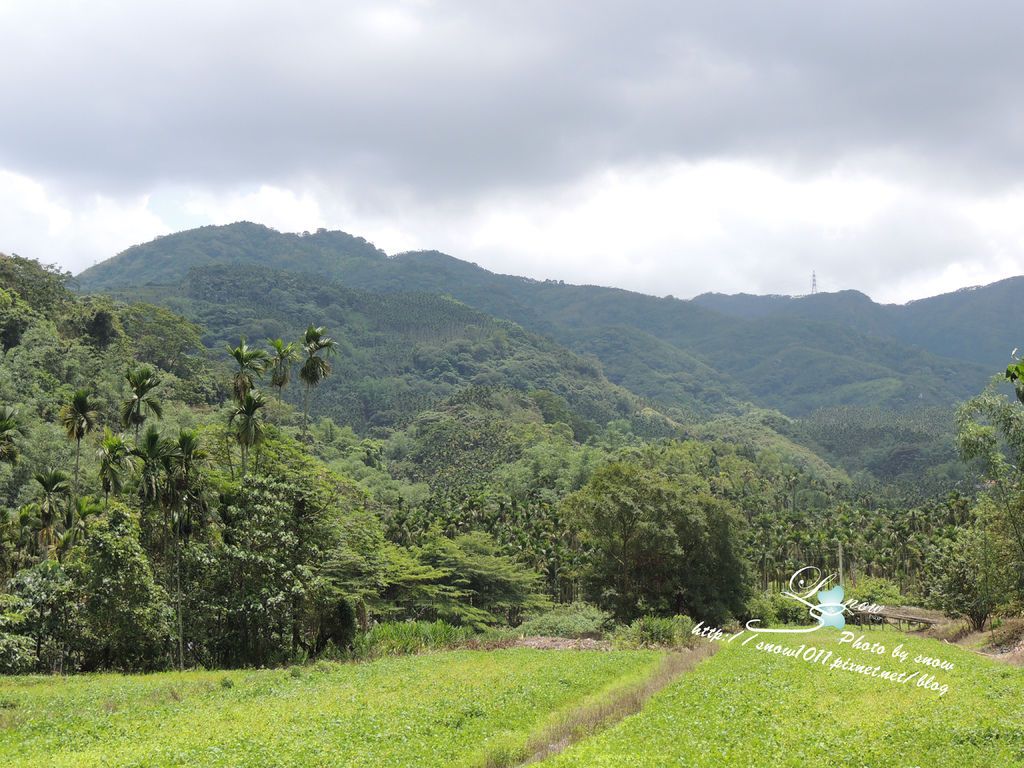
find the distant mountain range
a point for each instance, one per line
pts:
(698, 358)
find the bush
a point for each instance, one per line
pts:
(17, 652)
(761, 607)
(875, 590)
(655, 631)
(402, 637)
(774, 609)
(573, 620)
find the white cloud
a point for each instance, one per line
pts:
(72, 233)
(282, 209)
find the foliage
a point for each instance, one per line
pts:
(579, 619)
(969, 577)
(16, 651)
(402, 637)
(126, 614)
(660, 540)
(876, 591)
(655, 632)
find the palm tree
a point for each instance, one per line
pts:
(141, 401)
(186, 490)
(9, 429)
(53, 486)
(115, 459)
(251, 364)
(315, 368)
(78, 419)
(153, 452)
(22, 524)
(185, 499)
(282, 358)
(76, 523)
(249, 429)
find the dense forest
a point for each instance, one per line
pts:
(234, 461)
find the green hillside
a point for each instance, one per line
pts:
(682, 354)
(969, 324)
(399, 352)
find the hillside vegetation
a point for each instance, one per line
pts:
(844, 357)
(251, 466)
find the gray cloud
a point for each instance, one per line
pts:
(479, 95)
(439, 109)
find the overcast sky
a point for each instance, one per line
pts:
(667, 147)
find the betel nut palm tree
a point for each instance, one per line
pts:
(9, 429)
(141, 402)
(251, 363)
(317, 346)
(248, 426)
(282, 358)
(78, 419)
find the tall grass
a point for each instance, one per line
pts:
(655, 632)
(405, 637)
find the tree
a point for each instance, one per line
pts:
(9, 430)
(251, 364)
(125, 611)
(249, 428)
(115, 460)
(153, 452)
(315, 368)
(78, 419)
(185, 504)
(54, 488)
(161, 337)
(659, 541)
(968, 575)
(990, 430)
(77, 520)
(140, 401)
(282, 358)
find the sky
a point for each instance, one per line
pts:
(673, 147)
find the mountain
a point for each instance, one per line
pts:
(978, 324)
(399, 353)
(704, 357)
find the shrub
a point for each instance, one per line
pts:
(876, 590)
(402, 637)
(762, 607)
(655, 631)
(573, 620)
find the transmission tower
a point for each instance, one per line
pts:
(814, 283)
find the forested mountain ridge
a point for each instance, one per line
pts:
(399, 353)
(702, 359)
(974, 323)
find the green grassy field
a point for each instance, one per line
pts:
(445, 709)
(748, 707)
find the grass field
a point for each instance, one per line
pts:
(749, 707)
(743, 707)
(446, 709)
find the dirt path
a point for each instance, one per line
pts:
(588, 720)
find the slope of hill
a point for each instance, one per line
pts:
(974, 324)
(704, 356)
(168, 259)
(398, 352)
